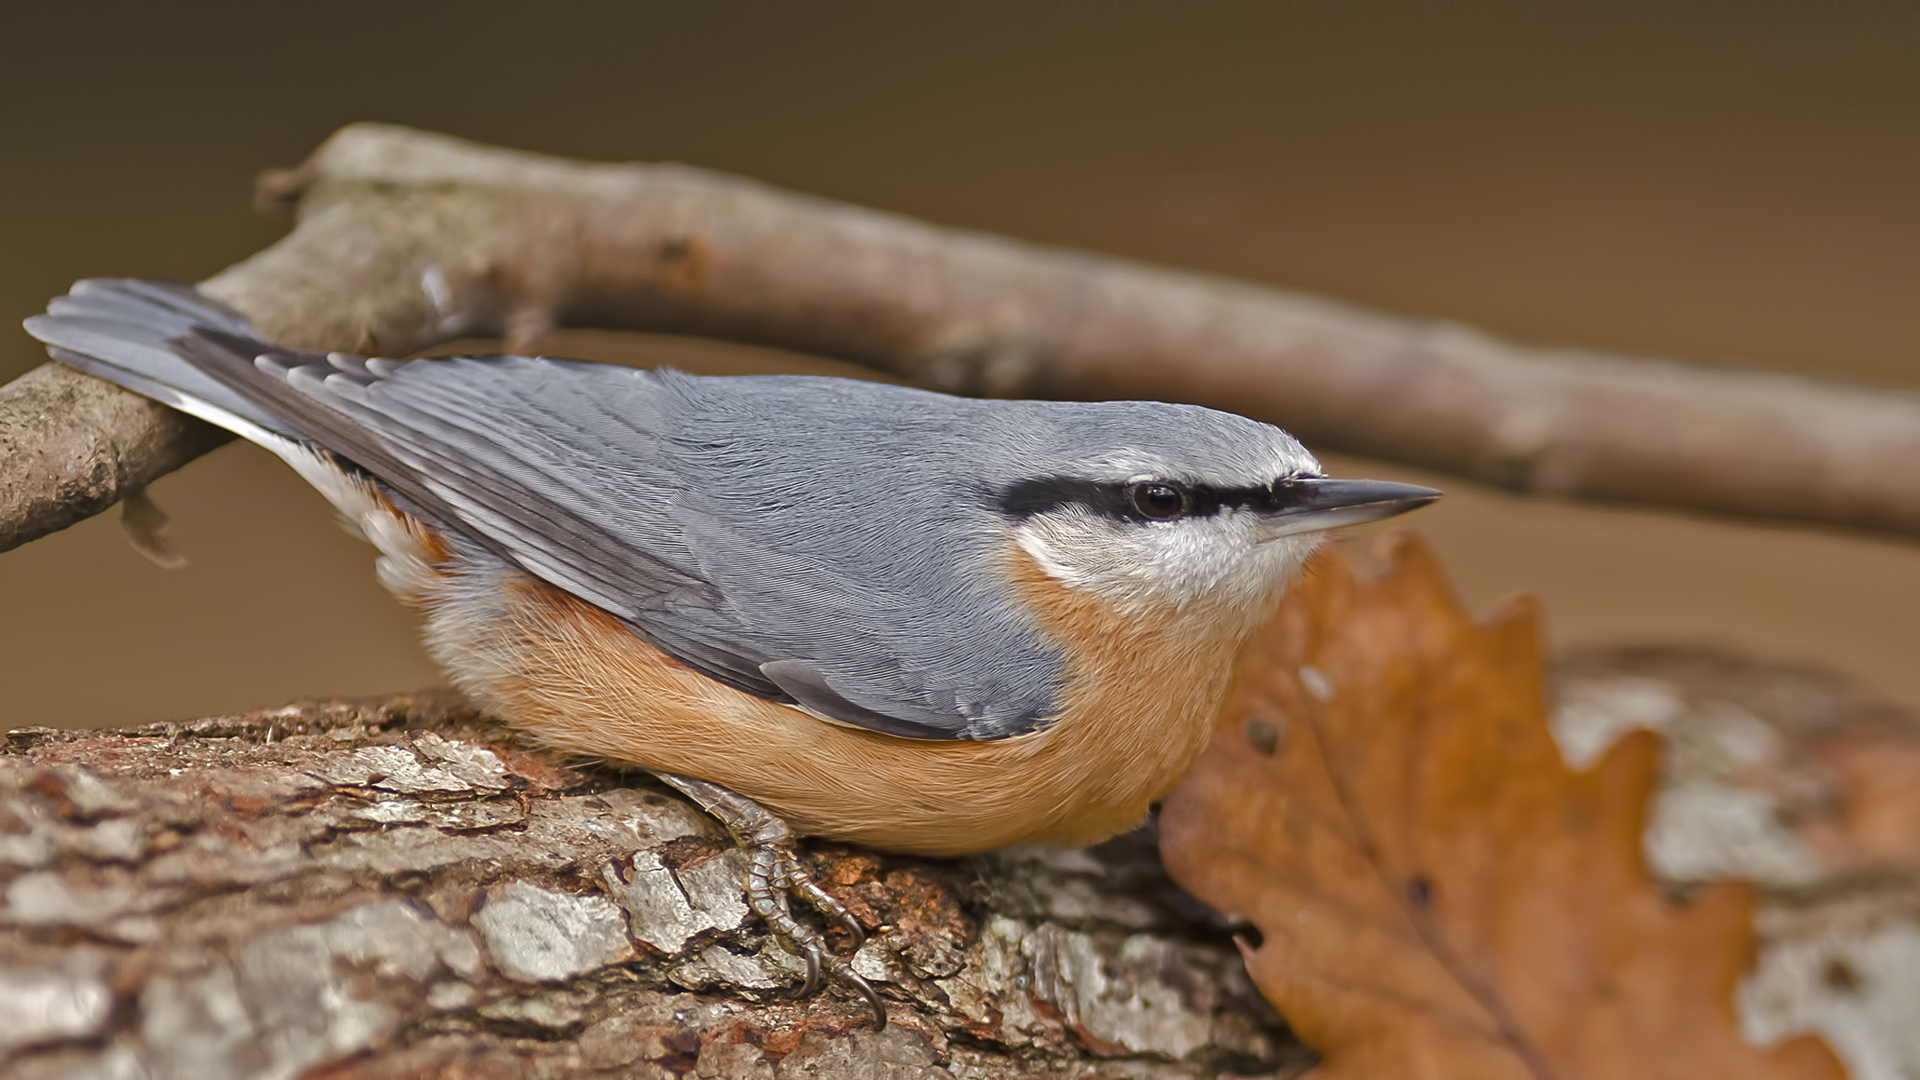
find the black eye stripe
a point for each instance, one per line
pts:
(1117, 500)
(1044, 494)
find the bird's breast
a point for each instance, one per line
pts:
(1139, 700)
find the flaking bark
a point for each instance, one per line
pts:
(407, 239)
(395, 887)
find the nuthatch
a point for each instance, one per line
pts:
(817, 606)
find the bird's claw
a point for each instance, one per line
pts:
(774, 874)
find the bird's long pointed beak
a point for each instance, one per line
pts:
(1314, 504)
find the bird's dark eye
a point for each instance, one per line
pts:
(1159, 500)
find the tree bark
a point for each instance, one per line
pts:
(407, 239)
(397, 888)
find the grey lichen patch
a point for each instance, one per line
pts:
(980, 994)
(26, 850)
(1847, 971)
(78, 794)
(45, 900)
(431, 766)
(292, 996)
(465, 816)
(667, 908)
(717, 967)
(68, 812)
(113, 840)
(395, 939)
(1126, 1006)
(67, 1000)
(1071, 886)
(1705, 823)
(540, 935)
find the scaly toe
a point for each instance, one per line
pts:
(801, 882)
(774, 872)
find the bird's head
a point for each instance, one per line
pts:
(1149, 505)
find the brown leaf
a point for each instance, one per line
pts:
(1439, 894)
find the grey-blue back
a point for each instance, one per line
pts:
(824, 541)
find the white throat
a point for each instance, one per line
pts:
(1223, 562)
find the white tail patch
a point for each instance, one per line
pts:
(408, 553)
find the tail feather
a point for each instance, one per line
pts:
(122, 330)
(140, 334)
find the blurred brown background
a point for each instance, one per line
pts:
(1711, 181)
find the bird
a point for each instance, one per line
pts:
(816, 606)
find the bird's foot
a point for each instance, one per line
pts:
(774, 874)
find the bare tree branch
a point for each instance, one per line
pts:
(72, 445)
(406, 239)
(394, 887)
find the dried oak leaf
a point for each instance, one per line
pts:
(1438, 893)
